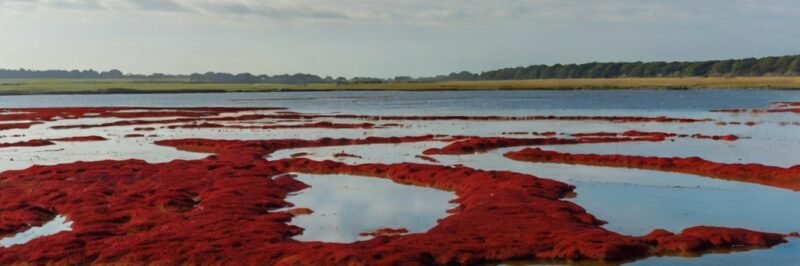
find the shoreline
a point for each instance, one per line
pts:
(191, 91)
(78, 87)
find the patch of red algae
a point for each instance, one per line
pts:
(247, 117)
(788, 178)
(79, 139)
(28, 143)
(345, 155)
(614, 119)
(654, 135)
(595, 134)
(777, 107)
(221, 210)
(386, 232)
(8, 126)
(299, 154)
(21, 215)
(266, 147)
(516, 133)
(210, 114)
(312, 125)
(51, 114)
(427, 158)
(471, 145)
(716, 137)
(701, 238)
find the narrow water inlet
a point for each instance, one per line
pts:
(344, 206)
(58, 224)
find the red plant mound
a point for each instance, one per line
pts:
(788, 178)
(8, 126)
(29, 143)
(482, 144)
(312, 125)
(427, 158)
(80, 139)
(51, 114)
(345, 155)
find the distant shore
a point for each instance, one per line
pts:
(82, 86)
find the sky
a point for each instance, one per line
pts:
(384, 38)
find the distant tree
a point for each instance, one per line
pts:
(111, 74)
(743, 67)
(721, 68)
(777, 65)
(403, 78)
(794, 68)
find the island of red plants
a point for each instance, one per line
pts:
(788, 178)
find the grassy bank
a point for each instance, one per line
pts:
(76, 86)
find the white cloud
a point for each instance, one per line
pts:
(417, 11)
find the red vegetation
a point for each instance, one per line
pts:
(262, 148)
(427, 158)
(313, 125)
(21, 215)
(7, 126)
(595, 134)
(29, 143)
(479, 144)
(221, 210)
(788, 178)
(469, 145)
(516, 133)
(224, 209)
(656, 135)
(51, 114)
(130, 136)
(299, 154)
(206, 115)
(723, 137)
(345, 155)
(614, 119)
(80, 139)
(777, 107)
(702, 238)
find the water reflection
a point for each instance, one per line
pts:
(345, 206)
(785, 254)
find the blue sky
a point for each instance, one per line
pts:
(384, 38)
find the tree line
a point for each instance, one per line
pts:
(59, 74)
(766, 66)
